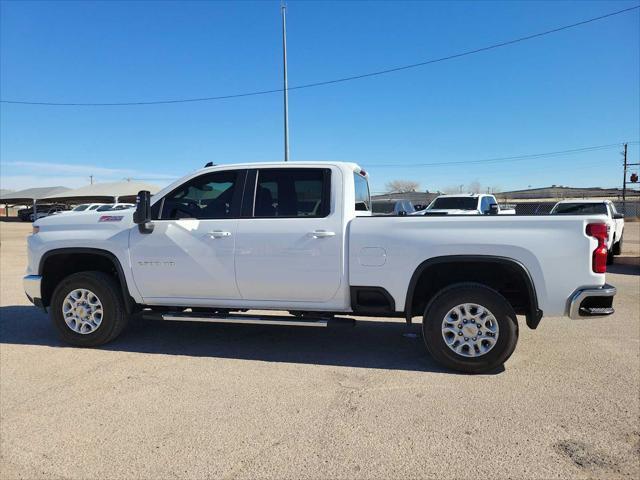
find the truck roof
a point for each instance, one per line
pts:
(347, 165)
(584, 201)
(465, 195)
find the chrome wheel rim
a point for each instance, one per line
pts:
(82, 311)
(470, 330)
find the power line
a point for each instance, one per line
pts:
(514, 158)
(337, 80)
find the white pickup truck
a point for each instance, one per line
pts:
(465, 204)
(615, 220)
(300, 237)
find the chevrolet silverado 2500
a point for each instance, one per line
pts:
(300, 237)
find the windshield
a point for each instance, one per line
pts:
(104, 208)
(80, 208)
(454, 203)
(580, 209)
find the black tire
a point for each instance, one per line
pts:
(610, 257)
(114, 318)
(617, 247)
(479, 294)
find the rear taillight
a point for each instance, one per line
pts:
(599, 232)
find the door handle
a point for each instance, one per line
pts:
(322, 234)
(218, 234)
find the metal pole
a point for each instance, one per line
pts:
(283, 10)
(624, 180)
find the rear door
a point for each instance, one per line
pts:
(289, 242)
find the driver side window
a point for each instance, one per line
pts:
(210, 196)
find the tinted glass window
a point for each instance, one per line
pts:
(95, 207)
(206, 197)
(383, 207)
(363, 199)
(80, 208)
(484, 204)
(580, 209)
(104, 208)
(292, 193)
(455, 203)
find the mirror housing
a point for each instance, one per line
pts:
(142, 215)
(493, 209)
(618, 216)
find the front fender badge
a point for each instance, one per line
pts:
(110, 218)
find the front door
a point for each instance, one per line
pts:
(289, 243)
(190, 252)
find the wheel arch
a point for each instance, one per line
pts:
(103, 260)
(471, 263)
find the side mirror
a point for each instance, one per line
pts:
(402, 213)
(618, 216)
(493, 209)
(142, 215)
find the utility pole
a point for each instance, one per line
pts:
(91, 179)
(283, 10)
(624, 179)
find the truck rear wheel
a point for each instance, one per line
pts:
(617, 247)
(470, 328)
(87, 309)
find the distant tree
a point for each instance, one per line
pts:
(474, 187)
(402, 186)
(451, 189)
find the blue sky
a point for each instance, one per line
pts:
(572, 89)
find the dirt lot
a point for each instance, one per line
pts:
(210, 401)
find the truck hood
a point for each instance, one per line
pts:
(115, 220)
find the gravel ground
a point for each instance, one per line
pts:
(177, 400)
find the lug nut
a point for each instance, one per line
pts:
(459, 325)
(464, 321)
(474, 339)
(460, 333)
(466, 339)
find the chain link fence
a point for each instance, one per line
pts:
(543, 207)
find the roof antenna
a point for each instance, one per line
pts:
(209, 164)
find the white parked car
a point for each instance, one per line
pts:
(465, 204)
(293, 236)
(45, 213)
(615, 220)
(107, 207)
(85, 207)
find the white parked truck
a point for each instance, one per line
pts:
(465, 204)
(615, 220)
(300, 237)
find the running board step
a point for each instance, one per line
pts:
(250, 319)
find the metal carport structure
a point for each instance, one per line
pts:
(29, 196)
(111, 192)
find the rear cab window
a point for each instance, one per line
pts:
(580, 209)
(363, 195)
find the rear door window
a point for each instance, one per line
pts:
(292, 192)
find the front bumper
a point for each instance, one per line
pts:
(32, 287)
(592, 302)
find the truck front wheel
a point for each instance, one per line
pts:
(87, 309)
(470, 327)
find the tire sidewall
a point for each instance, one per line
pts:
(480, 295)
(102, 286)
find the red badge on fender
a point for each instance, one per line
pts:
(110, 218)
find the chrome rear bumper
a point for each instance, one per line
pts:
(592, 302)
